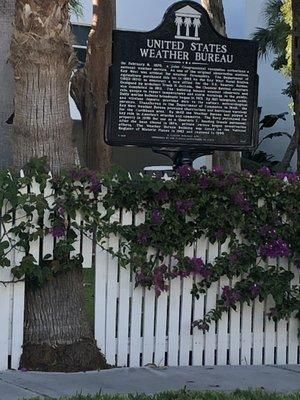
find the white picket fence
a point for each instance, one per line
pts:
(135, 328)
(11, 321)
(11, 307)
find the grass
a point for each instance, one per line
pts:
(191, 395)
(89, 285)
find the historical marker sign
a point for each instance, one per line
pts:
(182, 85)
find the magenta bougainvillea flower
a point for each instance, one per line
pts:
(185, 171)
(159, 279)
(156, 217)
(279, 248)
(61, 211)
(265, 171)
(198, 267)
(288, 176)
(162, 196)
(240, 200)
(218, 170)
(230, 296)
(255, 289)
(143, 238)
(58, 232)
(235, 256)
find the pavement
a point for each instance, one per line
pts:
(15, 385)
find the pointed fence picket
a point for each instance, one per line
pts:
(258, 329)
(294, 327)
(222, 340)
(173, 318)
(135, 320)
(148, 318)
(211, 298)
(12, 295)
(134, 327)
(101, 271)
(186, 315)
(18, 290)
(198, 335)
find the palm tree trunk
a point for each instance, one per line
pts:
(215, 10)
(7, 10)
(57, 335)
(43, 59)
(90, 86)
(229, 160)
(296, 71)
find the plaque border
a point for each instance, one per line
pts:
(254, 128)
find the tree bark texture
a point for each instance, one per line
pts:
(296, 72)
(229, 160)
(43, 59)
(7, 11)
(215, 10)
(57, 333)
(289, 153)
(89, 87)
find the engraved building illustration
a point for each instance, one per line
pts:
(188, 22)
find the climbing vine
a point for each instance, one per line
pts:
(256, 218)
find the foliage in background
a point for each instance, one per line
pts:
(257, 158)
(257, 216)
(276, 37)
(76, 7)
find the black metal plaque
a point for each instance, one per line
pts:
(182, 85)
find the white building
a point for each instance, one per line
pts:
(242, 17)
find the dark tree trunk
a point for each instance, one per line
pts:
(296, 71)
(289, 153)
(7, 8)
(57, 335)
(229, 160)
(90, 86)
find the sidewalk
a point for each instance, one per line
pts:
(19, 385)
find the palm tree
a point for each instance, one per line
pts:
(273, 38)
(215, 10)
(229, 160)
(7, 9)
(43, 59)
(276, 38)
(57, 333)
